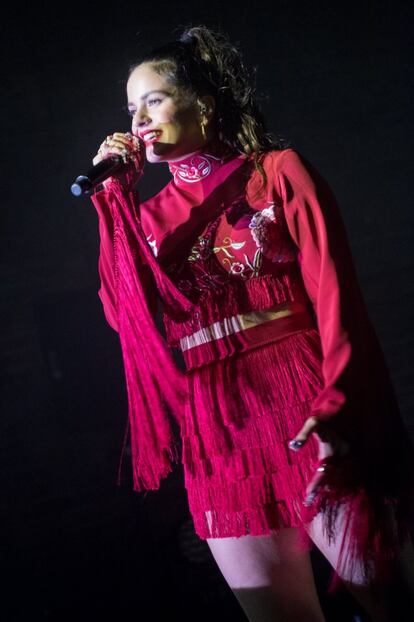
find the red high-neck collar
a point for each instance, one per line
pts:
(198, 166)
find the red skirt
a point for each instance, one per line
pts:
(241, 477)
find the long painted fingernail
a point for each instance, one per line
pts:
(296, 445)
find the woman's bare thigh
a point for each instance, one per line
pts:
(271, 576)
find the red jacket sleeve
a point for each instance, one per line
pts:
(106, 261)
(106, 267)
(327, 268)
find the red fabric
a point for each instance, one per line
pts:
(315, 225)
(247, 339)
(240, 475)
(257, 242)
(150, 392)
(154, 384)
(214, 245)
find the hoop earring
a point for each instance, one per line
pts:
(203, 130)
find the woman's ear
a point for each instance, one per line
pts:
(207, 106)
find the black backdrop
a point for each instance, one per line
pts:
(337, 82)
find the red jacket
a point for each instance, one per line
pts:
(285, 245)
(237, 266)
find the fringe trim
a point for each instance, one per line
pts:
(230, 395)
(242, 479)
(148, 395)
(240, 475)
(256, 294)
(371, 527)
(231, 493)
(253, 521)
(254, 449)
(145, 476)
(155, 385)
(253, 491)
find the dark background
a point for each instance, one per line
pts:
(337, 82)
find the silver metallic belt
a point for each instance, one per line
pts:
(236, 323)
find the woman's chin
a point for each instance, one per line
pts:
(158, 152)
(169, 152)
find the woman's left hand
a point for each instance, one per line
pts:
(332, 448)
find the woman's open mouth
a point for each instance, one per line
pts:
(151, 137)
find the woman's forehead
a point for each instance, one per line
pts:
(144, 77)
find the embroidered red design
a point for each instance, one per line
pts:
(267, 228)
(197, 169)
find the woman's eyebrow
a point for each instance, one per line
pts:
(150, 93)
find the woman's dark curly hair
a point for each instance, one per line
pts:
(204, 62)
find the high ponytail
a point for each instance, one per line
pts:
(204, 62)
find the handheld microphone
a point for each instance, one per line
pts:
(84, 184)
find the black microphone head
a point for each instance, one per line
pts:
(82, 185)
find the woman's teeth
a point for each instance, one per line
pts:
(152, 135)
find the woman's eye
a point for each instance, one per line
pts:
(150, 102)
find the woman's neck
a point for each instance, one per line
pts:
(196, 166)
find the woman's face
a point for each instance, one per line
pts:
(165, 120)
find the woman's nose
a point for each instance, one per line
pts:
(140, 119)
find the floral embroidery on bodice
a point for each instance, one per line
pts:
(242, 243)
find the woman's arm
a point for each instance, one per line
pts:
(118, 193)
(327, 268)
(106, 261)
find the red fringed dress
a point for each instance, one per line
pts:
(276, 330)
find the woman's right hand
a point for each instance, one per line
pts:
(336, 468)
(131, 150)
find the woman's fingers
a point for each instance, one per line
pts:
(126, 145)
(334, 454)
(326, 434)
(335, 472)
(130, 149)
(107, 153)
(318, 480)
(311, 425)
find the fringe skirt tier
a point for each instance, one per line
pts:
(241, 477)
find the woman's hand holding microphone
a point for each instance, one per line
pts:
(131, 150)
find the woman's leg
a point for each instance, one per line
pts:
(271, 576)
(383, 603)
